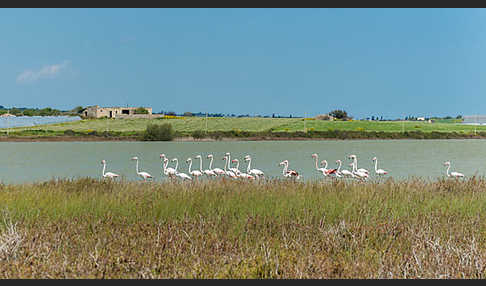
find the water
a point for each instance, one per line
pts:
(24, 121)
(40, 161)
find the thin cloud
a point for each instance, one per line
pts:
(49, 71)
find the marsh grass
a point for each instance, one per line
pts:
(90, 228)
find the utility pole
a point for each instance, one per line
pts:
(206, 122)
(305, 129)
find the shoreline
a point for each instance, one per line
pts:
(191, 139)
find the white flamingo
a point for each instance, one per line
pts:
(194, 173)
(452, 174)
(289, 173)
(218, 171)
(168, 171)
(344, 172)
(358, 173)
(181, 175)
(108, 174)
(241, 174)
(320, 170)
(355, 160)
(234, 170)
(228, 172)
(378, 171)
(143, 175)
(255, 172)
(207, 172)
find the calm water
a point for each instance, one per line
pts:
(23, 121)
(39, 161)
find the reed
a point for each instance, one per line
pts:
(92, 228)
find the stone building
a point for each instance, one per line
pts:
(114, 112)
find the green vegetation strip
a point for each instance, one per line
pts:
(89, 228)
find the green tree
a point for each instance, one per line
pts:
(339, 114)
(141, 110)
(156, 132)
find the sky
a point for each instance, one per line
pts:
(300, 62)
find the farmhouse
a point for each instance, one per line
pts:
(115, 112)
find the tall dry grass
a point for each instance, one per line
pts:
(89, 228)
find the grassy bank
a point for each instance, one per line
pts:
(253, 128)
(275, 229)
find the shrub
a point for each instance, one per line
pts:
(155, 132)
(198, 134)
(141, 110)
(69, 132)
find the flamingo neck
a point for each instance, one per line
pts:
(339, 167)
(285, 168)
(376, 165)
(211, 163)
(165, 165)
(448, 167)
(325, 167)
(225, 163)
(237, 165)
(136, 167)
(200, 164)
(317, 168)
(104, 167)
(248, 167)
(190, 164)
(177, 164)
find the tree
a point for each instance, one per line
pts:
(339, 114)
(187, 113)
(78, 109)
(141, 110)
(459, 117)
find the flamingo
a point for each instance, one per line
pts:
(358, 173)
(240, 174)
(452, 174)
(234, 170)
(257, 173)
(108, 174)
(194, 173)
(181, 175)
(289, 173)
(355, 159)
(326, 170)
(378, 171)
(218, 171)
(207, 172)
(228, 172)
(143, 175)
(168, 171)
(336, 171)
(321, 170)
(344, 172)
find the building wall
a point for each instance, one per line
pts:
(474, 119)
(113, 112)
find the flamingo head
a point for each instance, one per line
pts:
(234, 160)
(338, 161)
(175, 159)
(314, 155)
(134, 158)
(374, 159)
(227, 154)
(162, 156)
(103, 162)
(447, 163)
(352, 156)
(323, 162)
(210, 156)
(198, 156)
(284, 162)
(188, 159)
(165, 160)
(247, 157)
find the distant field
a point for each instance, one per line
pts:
(187, 124)
(190, 124)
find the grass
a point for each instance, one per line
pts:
(244, 127)
(89, 228)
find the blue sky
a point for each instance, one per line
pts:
(381, 62)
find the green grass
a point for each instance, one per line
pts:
(130, 127)
(90, 228)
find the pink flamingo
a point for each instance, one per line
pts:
(452, 174)
(378, 171)
(289, 173)
(143, 175)
(321, 170)
(255, 172)
(217, 171)
(108, 174)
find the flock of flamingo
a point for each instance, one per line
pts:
(235, 173)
